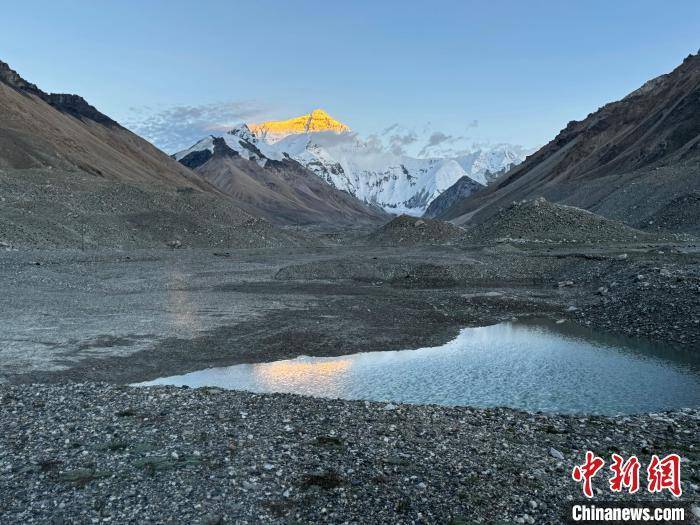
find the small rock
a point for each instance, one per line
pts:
(555, 453)
(213, 519)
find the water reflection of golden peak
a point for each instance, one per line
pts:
(183, 314)
(285, 372)
(284, 368)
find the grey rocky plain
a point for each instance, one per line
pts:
(79, 446)
(95, 453)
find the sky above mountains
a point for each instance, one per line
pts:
(424, 77)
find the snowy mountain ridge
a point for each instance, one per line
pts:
(397, 183)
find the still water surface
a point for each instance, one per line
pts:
(528, 365)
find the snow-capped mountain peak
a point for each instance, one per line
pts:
(243, 132)
(328, 148)
(207, 143)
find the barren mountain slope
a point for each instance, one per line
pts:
(53, 208)
(42, 130)
(71, 176)
(626, 161)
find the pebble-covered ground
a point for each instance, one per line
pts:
(52, 208)
(542, 221)
(654, 295)
(406, 230)
(99, 453)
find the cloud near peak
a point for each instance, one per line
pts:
(438, 138)
(175, 128)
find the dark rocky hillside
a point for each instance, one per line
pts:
(70, 176)
(630, 160)
(63, 131)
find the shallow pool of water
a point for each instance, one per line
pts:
(535, 366)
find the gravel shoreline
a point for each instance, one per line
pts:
(89, 453)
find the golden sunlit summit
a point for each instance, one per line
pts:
(316, 121)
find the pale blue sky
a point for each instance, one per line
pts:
(495, 71)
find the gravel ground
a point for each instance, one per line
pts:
(82, 453)
(137, 315)
(61, 209)
(682, 214)
(654, 295)
(542, 221)
(406, 230)
(87, 452)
